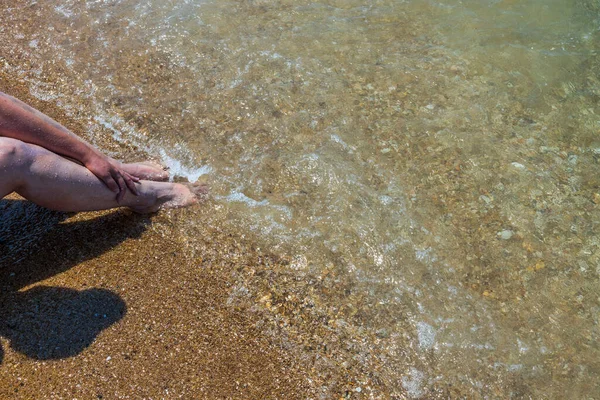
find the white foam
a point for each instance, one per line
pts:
(386, 200)
(426, 335)
(61, 9)
(117, 126)
(41, 94)
(108, 124)
(241, 197)
(339, 140)
(414, 384)
(176, 167)
(425, 255)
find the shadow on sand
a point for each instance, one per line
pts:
(45, 322)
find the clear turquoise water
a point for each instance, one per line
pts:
(438, 160)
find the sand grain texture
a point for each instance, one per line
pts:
(156, 326)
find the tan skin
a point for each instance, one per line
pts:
(49, 165)
(22, 122)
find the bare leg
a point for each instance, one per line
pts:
(147, 170)
(54, 182)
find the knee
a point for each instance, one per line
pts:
(13, 154)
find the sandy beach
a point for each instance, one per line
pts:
(89, 309)
(404, 201)
(120, 322)
(88, 316)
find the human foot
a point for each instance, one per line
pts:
(147, 170)
(161, 195)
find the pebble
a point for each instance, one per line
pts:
(548, 149)
(505, 234)
(485, 199)
(382, 333)
(536, 193)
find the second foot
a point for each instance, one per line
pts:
(147, 170)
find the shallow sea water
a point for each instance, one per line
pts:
(429, 168)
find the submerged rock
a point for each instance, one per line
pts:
(505, 234)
